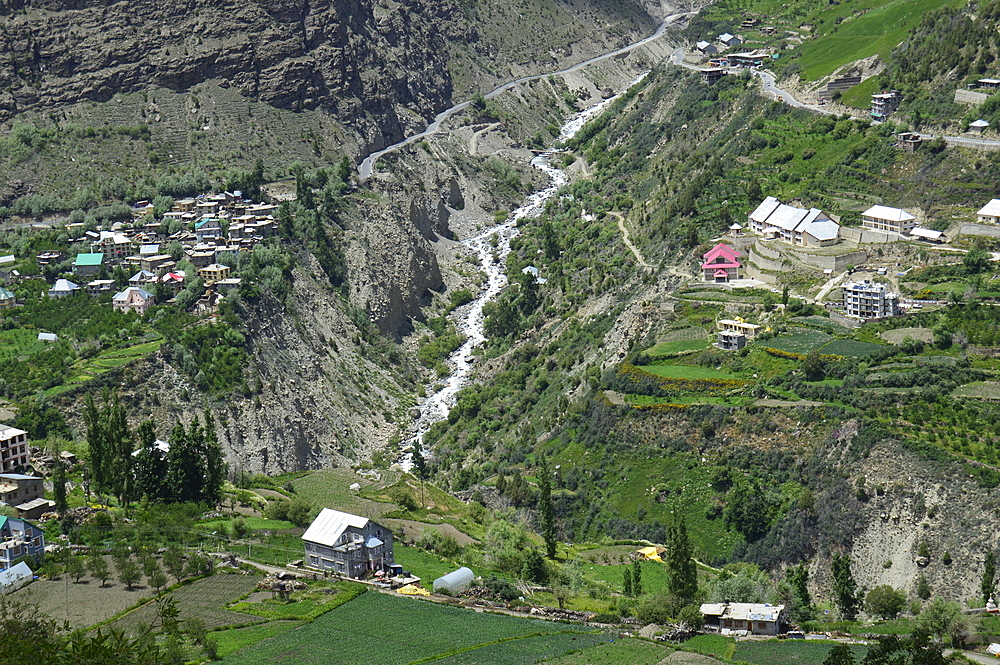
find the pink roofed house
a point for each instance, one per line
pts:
(721, 264)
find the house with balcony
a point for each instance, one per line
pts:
(885, 104)
(133, 299)
(18, 538)
(348, 545)
(14, 449)
(869, 301)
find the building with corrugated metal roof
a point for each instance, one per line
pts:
(349, 545)
(745, 618)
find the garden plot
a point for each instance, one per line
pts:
(385, 629)
(204, 599)
(801, 341)
(897, 336)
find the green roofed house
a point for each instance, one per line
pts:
(7, 299)
(88, 264)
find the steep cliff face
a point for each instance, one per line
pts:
(359, 61)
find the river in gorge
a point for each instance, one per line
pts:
(491, 246)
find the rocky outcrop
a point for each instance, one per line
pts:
(391, 264)
(361, 62)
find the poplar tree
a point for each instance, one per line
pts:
(988, 584)
(59, 485)
(637, 578)
(627, 581)
(682, 572)
(545, 507)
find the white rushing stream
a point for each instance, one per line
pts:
(493, 261)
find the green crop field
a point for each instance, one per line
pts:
(19, 342)
(686, 372)
(878, 30)
(666, 348)
(234, 639)
(626, 650)
(428, 567)
(330, 488)
(850, 348)
(789, 652)
(801, 341)
(979, 390)
(389, 630)
(712, 644)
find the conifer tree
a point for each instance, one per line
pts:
(637, 578)
(844, 586)
(627, 581)
(988, 584)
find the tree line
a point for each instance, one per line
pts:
(128, 464)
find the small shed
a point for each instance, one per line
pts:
(15, 577)
(454, 582)
(978, 126)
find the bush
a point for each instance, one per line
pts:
(885, 602)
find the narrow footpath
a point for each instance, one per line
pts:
(628, 242)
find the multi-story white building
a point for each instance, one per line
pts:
(867, 300)
(884, 218)
(796, 226)
(14, 453)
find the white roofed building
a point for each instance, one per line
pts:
(348, 545)
(796, 226)
(884, 218)
(989, 213)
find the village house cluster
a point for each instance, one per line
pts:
(215, 229)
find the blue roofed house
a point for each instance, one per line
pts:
(349, 545)
(19, 538)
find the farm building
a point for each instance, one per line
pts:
(454, 582)
(706, 47)
(720, 264)
(745, 618)
(796, 226)
(348, 545)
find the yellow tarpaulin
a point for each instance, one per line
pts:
(650, 553)
(414, 590)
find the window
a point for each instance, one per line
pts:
(761, 625)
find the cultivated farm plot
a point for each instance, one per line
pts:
(694, 332)
(899, 334)
(385, 629)
(850, 348)
(625, 650)
(801, 341)
(686, 372)
(204, 599)
(330, 488)
(792, 652)
(979, 390)
(19, 342)
(83, 604)
(678, 346)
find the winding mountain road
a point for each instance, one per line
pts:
(367, 166)
(767, 84)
